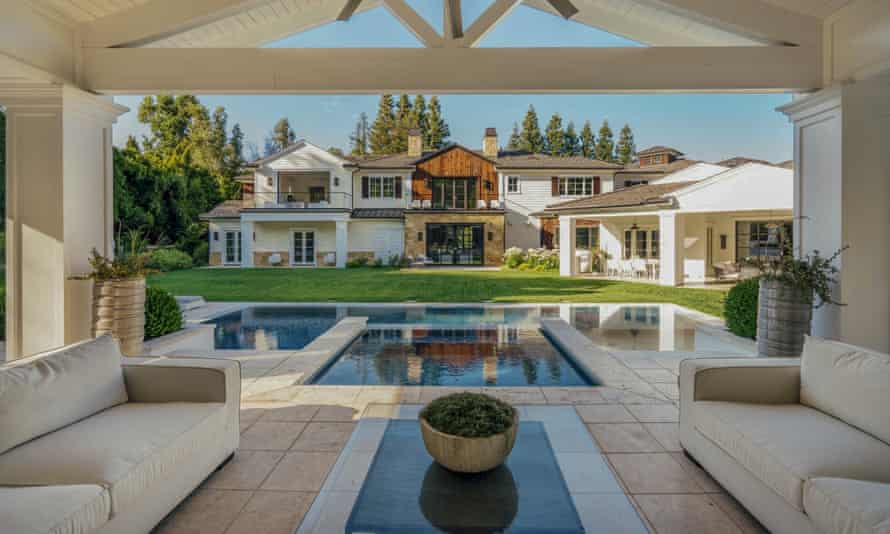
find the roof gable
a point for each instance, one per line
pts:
(301, 144)
(752, 186)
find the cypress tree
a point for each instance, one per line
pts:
(626, 149)
(570, 144)
(380, 137)
(515, 139)
(418, 117)
(438, 131)
(402, 125)
(587, 141)
(605, 146)
(531, 139)
(234, 151)
(359, 137)
(555, 136)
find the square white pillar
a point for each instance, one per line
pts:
(342, 243)
(670, 246)
(247, 235)
(59, 206)
(566, 246)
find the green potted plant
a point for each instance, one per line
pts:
(790, 288)
(119, 299)
(469, 432)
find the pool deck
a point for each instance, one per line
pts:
(299, 442)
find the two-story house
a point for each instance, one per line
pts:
(455, 206)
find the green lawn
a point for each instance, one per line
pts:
(389, 285)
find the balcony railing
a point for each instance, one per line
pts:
(309, 200)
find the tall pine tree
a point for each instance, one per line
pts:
(380, 137)
(555, 136)
(418, 117)
(570, 144)
(587, 140)
(359, 137)
(515, 139)
(282, 136)
(403, 124)
(234, 151)
(438, 132)
(605, 146)
(626, 149)
(531, 139)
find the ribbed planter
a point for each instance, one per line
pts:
(469, 455)
(119, 309)
(784, 315)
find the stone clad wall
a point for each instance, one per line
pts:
(494, 223)
(215, 258)
(261, 259)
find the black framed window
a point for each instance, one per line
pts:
(513, 184)
(587, 237)
(454, 193)
(762, 239)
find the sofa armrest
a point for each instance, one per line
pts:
(756, 380)
(182, 380)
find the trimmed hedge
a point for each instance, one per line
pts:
(741, 308)
(162, 313)
(469, 415)
(169, 259)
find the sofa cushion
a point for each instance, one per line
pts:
(54, 509)
(847, 382)
(126, 449)
(49, 391)
(783, 445)
(843, 506)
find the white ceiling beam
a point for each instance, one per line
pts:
(452, 70)
(416, 24)
(158, 19)
(453, 21)
(489, 18)
(754, 18)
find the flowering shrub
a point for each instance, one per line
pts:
(534, 259)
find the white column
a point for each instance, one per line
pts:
(247, 234)
(670, 246)
(342, 243)
(59, 206)
(566, 246)
(666, 325)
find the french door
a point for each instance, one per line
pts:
(455, 244)
(233, 247)
(303, 247)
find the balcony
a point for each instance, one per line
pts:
(304, 200)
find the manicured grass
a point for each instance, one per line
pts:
(429, 285)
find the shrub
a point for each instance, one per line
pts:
(399, 260)
(534, 259)
(162, 314)
(377, 262)
(360, 261)
(741, 308)
(169, 259)
(469, 415)
(514, 257)
(201, 254)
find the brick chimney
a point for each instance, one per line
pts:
(415, 142)
(490, 143)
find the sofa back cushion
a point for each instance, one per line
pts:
(52, 390)
(848, 382)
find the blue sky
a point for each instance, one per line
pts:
(704, 126)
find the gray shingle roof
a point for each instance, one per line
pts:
(638, 195)
(505, 160)
(230, 209)
(377, 213)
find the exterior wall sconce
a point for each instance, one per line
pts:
(420, 236)
(722, 241)
(490, 236)
(336, 181)
(488, 185)
(216, 236)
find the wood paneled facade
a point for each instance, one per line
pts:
(456, 162)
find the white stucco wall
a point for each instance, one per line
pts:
(384, 238)
(306, 158)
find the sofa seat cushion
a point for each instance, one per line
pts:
(844, 506)
(126, 449)
(783, 445)
(74, 509)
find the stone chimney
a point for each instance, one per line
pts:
(490, 143)
(415, 142)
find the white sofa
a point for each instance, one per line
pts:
(91, 443)
(803, 444)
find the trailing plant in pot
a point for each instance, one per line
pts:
(119, 299)
(469, 432)
(790, 288)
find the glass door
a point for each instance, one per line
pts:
(233, 247)
(304, 247)
(455, 244)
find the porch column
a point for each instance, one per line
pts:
(342, 243)
(247, 231)
(59, 206)
(566, 246)
(670, 246)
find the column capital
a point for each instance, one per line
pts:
(51, 97)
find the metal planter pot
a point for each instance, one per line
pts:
(784, 315)
(119, 309)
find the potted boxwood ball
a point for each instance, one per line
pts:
(469, 432)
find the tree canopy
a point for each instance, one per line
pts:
(605, 147)
(626, 149)
(554, 139)
(530, 138)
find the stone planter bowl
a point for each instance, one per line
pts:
(469, 455)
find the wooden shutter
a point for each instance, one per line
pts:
(597, 186)
(364, 187)
(554, 186)
(398, 180)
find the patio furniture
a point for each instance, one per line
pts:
(427, 204)
(802, 443)
(727, 270)
(91, 444)
(415, 204)
(481, 204)
(330, 258)
(275, 259)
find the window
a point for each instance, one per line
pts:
(658, 159)
(641, 244)
(587, 237)
(513, 184)
(628, 243)
(382, 186)
(576, 186)
(454, 193)
(233, 247)
(654, 244)
(762, 239)
(631, 183)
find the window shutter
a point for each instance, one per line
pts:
(364, 187)
(398, 181)
(554, 186)
(597, 187)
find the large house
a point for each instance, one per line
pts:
(455, 206)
